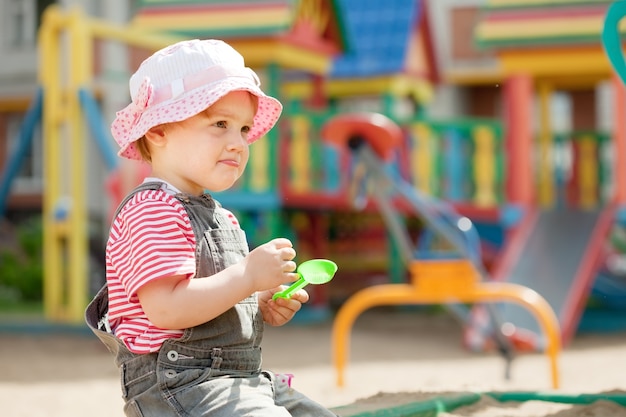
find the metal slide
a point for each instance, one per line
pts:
(557, 256)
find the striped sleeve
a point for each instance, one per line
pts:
(151, 238)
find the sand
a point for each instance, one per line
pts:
(396, 357)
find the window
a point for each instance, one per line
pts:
(19, 24)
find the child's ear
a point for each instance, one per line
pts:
(156, 135)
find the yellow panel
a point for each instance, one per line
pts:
(259, 165)
(395, 85)
(465, 76)
(422, 158)
(556, 62)
(259, 54)
(299, 158)
(399, 85)
(508, 29)
(213, 20)
(484, 166)
(545, 178)
(587, 172)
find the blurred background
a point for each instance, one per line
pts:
(510, 110)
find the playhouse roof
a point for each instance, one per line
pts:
(378, 34)
(559, 41)
(389, 49)
(506, 24)
(345, 40)
(300, 35)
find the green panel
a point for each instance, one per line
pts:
(434, 406)
(428, 408)
(619, 398)
(242, 32)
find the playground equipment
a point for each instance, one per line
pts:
(448, 403)
(66, 102)
(557, 253)
(611, 38)
(456, 277)
(566, 205)
(24, 141)
(541, 252)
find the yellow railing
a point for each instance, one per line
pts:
(66, 49)
(460, 161)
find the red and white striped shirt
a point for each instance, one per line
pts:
(151, 238)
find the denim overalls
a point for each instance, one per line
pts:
(214, 369)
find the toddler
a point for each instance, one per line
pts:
(185, 301)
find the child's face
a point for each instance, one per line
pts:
(208, 151)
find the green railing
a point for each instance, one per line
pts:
(459, 160)
(577, 172)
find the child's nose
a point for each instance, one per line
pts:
(237, 141)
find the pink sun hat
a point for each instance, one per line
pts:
(182, 80)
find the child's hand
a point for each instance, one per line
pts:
(280, 311)
(270, 265)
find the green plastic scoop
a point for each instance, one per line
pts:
(314, 271)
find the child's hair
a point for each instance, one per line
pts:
(181, 81)
(144, 151)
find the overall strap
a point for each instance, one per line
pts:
(152, 185)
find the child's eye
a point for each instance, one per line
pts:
(245, 129)
(222, 124)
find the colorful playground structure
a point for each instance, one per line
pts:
(67, 102)
(454, 277)
(560, 241)
(542, 231)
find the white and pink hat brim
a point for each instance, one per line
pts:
(185, 97)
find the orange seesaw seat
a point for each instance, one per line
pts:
(443, 282)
